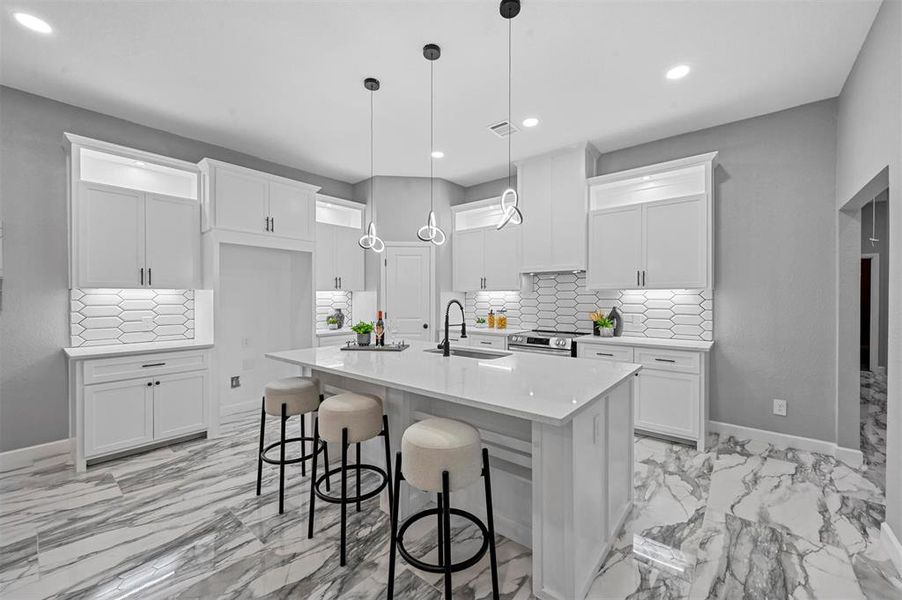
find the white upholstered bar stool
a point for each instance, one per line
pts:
(442, 456)
(346, 419)
(284, 398)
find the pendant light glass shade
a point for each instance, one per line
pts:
(431, 232)
(370, 240)
(510, 199)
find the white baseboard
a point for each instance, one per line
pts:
(239, 407)
(22, 457)
(891, 545)
(849, 456)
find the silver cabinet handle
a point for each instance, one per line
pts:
(667, 360)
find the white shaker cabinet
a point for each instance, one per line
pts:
(652, 227)
(553, 199)
(178, 408)
(484, 258)
(244, 200)
(117, 416)
(340, 261)
(126, 238)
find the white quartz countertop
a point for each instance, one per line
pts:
(646, 342)
(331, 332)
(128, 349)
(548, 389)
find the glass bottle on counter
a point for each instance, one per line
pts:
(501, 319)
(380, 329)
(491, 319)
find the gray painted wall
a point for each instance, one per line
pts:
(489, 189)
(869, 140)
(774, 234)
(402, 204)
(882, 249)
(33, 182)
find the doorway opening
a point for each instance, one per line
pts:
(874, 331)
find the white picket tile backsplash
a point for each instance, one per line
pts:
(327, 302)
(560, 301)
(100, 317)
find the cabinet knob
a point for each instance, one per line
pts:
(156, 383)
(149, 383)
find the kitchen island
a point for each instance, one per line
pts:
(558, 430)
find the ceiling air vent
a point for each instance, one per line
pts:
(503, 129)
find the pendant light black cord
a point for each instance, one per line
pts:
(431, 132)
(509, 123)
(372, 162)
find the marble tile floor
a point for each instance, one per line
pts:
(743, 520)
(873, 424)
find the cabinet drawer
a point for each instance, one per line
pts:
(485, 341)
(145, 365)
(669, 360)
(605, 352)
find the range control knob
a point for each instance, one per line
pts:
(560, 343)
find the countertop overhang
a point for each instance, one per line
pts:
(85, 352)
(547, 389)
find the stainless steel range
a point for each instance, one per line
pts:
(544, 341)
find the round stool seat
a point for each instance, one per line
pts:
(434, 445)
(299, 394)
(361, 414)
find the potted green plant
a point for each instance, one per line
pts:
(601, 325)
(332, 322)
(480, 322)
(363, 331)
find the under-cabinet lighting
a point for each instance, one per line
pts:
(678, 72)
(530, 122)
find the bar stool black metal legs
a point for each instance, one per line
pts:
(348, 419)
(287, 397)
(459, 471)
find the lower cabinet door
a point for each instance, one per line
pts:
(179, 404)
(118, 416)
(668, 403)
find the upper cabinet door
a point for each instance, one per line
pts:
(326, 274)
(676, 244)
(468, 254)
(615, 249)
(534, 188)
(291, 211)
(240, 200)
(172, 241)
(110, 238)
(349, 258)
(502, 256)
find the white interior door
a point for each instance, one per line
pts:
(407, 291)
(173, 242)
(110, 237)
(676, 244)
(615, 249)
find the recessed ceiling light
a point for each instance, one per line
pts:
(139, 163)
(32, 22)
(678, 72)
(530, 122)
(646, 177)
(438, 154)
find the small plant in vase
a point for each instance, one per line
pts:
(480, 322)
(332, 322)
(363, 331)
(601, 325)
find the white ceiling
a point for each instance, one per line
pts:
(283, 80)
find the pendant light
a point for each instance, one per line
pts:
(874, 239)
(430, 232)
(371, 241)
(510, 211)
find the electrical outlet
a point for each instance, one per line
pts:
(780, 407)
(147, 323)
(236, 381)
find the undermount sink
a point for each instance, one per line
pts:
(468, 353)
